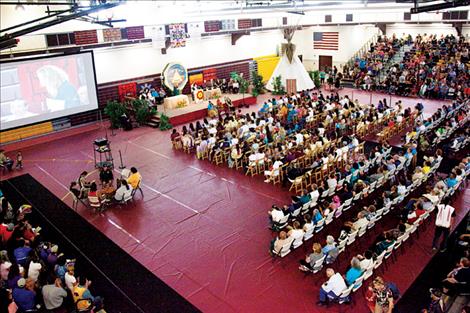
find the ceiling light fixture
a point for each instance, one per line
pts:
(19, 6)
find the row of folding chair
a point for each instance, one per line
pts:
(352, 237)
(391, 250)
(293, 244)
(338, 212)
(381, 259)
(437, 122)
(346, 205)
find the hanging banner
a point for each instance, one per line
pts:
(178, 35)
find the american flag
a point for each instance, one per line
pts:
(325, 40)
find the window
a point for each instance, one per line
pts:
(212, 26)
(407, 16)
(257, 22)
(349, 17)
(455, 15)
(228, 24)
(327, 18)
(62, 39)
(244, 23)
(284, 21)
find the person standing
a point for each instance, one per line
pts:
(444, 220)
(54, 295)
(383, 296)
(19, 160)
(436, 305)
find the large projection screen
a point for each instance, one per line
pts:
(37, 90)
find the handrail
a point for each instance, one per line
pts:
(363, 49)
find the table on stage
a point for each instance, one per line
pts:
(174, 102)
(215, 93)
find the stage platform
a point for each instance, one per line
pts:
(196, 111)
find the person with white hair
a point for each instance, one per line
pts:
(332, 288)
(330, 249)
(354, 272)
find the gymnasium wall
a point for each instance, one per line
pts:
(437, 29)
(141, 60)
(127, 62)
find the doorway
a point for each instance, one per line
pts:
(325, 61)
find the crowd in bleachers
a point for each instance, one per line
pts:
(434, 67)
(366, 68)
(36, 276)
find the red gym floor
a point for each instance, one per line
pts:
(203, 229)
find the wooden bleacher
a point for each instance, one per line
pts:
(25, 132)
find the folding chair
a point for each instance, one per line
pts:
(320, 224)
(97, 204)
(285, 250)
(282, 223)
(329, 218)
(297, 242)
(309, 233)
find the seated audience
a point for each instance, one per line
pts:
(309, 263)
(332, 288)
(354, 272)
(134, 179)
(123, 192)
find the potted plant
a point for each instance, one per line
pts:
(141, 110)
(258, 85)
(315, 76)
(244, 84)
(114, 110)
(165, 122)
(278, 88)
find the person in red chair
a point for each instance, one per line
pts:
(94, 198)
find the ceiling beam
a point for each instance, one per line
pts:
(35, 20)
(59, 19)
(34, 3)
(439, 6)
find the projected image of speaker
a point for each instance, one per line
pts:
(41, 89)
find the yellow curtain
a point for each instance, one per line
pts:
(266, 65)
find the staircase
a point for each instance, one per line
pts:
(363, 50)
(397, 58)
(359, 54)
(154, 121)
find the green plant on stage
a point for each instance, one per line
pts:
(244, 84)
(258, 85)
(114, 110)
(315, 76)
(165, 122)
(278, 88)
(142, 110)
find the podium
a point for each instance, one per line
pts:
(179, 101)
